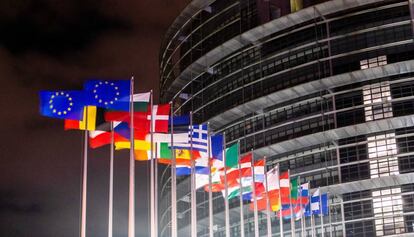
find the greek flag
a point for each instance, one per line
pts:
(197, 139)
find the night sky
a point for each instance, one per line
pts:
(54, 45)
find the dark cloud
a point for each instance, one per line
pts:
(49, 44)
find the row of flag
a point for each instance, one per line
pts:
(104, 101)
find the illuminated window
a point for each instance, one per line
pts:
(376, 96)
(388, 210)
(373, 62)
(382, 150)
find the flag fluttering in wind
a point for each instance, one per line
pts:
(196, 139)
(288, 203)
(142, 119)
(217, 147)
(318, 204)
(302, 202)
(233, 174)
(62, 104)
(201, 166)
(141, 109)
(284, 188)
(101, 138)
(93, 119)
(109, 94)
(232, 156)
(138, 145)
(179, 120)
(273, 190)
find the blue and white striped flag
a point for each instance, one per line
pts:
(318, 204)
(197, 138)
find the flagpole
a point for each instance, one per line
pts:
(269, 223)
(152, 191)
(226, 201)
(301, 212)
(330, 220)
(256, 217)
(241, 193)
(131, 212)
(304, 219)
(193, 184)
(280, 209)
(111, 183)
(84, 177)
(292, 221)
(311, 216)
(321, 213)
(210, 186)
(173, 178)
(156, 188)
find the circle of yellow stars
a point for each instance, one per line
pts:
(101, 100)
(59, 111)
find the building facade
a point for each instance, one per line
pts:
(323, 88)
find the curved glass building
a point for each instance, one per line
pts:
(323, 88)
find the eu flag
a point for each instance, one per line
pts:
(62, 104)
(109, 94)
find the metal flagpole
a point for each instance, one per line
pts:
(269, 223)
(312, 224)
(255, 212)
(302, 221)
(173, 179)
(240, 194)
(111, 183)
(152, 192)
(131, 212)
(292, 220)
(311, 216)
(155, 189)
(321, 213)
(210, 186)
(84, 177)
(330, 220)
(280, 204)
(226, 201)
(193, 184)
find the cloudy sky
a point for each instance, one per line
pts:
(52, 45)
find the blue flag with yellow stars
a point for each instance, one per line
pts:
(62, 104)
(109, 94)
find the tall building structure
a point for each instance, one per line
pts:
(323, 88)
